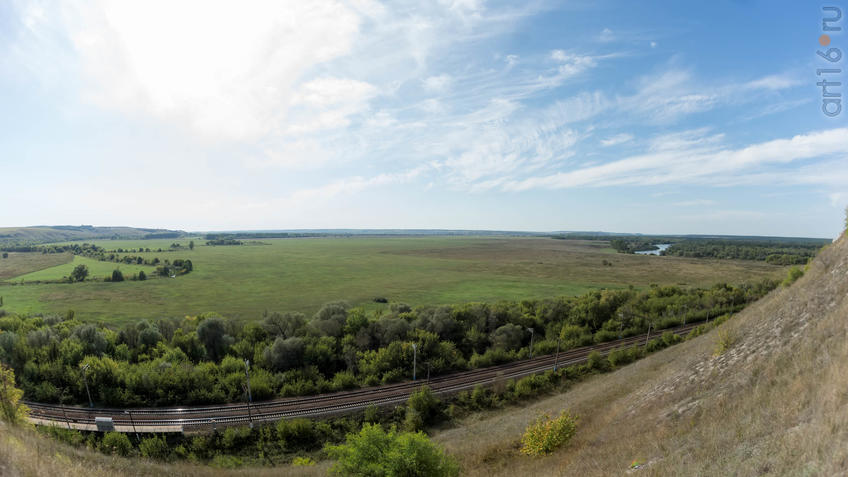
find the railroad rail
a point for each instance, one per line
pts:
(198, 418)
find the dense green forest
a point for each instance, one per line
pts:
(774, 250)
(200, 359)
(777, 253)
(632, 245)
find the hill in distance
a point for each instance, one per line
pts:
(66, 233)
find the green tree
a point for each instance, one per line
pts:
(374, 452)
(285, 354)
(79, 273)
(154, 447)
(142, 276)
(117, 276)
(10, 397)
(191, 245)
(116, 443)
(212, 332)
(5, 254)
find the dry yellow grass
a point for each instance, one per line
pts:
(773, 403)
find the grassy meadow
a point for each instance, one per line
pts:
(302, 274)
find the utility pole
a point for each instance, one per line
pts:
(137, 438)
(66, 416)
(414, 359)
(649, 335)
(556, 358)
(85, 380)
(247, 389)
(247, 374)
(532, 334)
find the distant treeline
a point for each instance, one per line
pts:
(200, 359)
(771, 251)
(258, 235)
(224, 241)
(632, 245)
(774, 250)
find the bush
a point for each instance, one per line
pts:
(424, 406)
(116, 443)
(375, 452)
(154, 447)
(117, 276)
(546, 434)
(792, 276)
(724, 341)
(10, 397)
(596, 361)
(302, 461)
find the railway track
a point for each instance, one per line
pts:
(182, 419)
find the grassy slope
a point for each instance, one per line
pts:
(776, 403)
(302, 274)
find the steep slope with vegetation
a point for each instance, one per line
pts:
(764, 394)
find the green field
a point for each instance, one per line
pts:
(18, 264)
(96, 269)
(302, 274)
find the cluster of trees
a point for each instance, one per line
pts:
(772, 252)
(201, 359)
(175, 268)
(631, 245)
(224, 241)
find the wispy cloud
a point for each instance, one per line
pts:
(617, 139)
(681, 166)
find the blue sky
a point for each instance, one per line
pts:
(652, 117)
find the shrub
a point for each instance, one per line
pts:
(619, 356)
(225, 462)
(375, 452)
(154, 447)
(300, 461)
(424, 405)
(10, 397)
(792, 276)
(596, 361)
(724, 341)
(117, 276)
(546, 434)
(116, 443)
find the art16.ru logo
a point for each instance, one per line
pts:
(830, 83)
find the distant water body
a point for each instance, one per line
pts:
(662, 246)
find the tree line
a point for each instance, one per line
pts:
(200, 359)
(771, 252)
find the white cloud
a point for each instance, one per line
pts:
(439, 83)
(616, 140)
(232, 74)
(606, 35)
(774, 83)
(714, 166)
